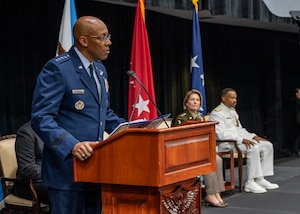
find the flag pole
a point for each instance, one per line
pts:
(197, 72)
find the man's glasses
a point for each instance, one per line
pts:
(101, 38)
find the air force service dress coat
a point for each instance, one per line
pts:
(66, 110)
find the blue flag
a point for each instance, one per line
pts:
(197, 74)
(1, 197)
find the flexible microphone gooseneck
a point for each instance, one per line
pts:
(132, 109)
(133, 75)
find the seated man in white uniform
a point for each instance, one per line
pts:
(259, 151)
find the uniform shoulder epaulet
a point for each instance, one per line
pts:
(177, 121)
(62, 58)
(180, 118)
(183, 114)
(218, 109)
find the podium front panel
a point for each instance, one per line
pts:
(151, 157)
(188, 153)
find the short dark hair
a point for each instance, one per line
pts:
(225, 91)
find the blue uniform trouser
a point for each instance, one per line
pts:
(75, 202)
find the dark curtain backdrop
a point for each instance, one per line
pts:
(250, 9)
(262, 65)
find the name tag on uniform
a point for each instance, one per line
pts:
(77, 91)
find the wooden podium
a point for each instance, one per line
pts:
(151, 171)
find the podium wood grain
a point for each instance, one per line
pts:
(141, 162)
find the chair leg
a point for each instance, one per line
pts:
(35, 208)
(240, 168)
(6, 211)
(231, 167)
(224, 169)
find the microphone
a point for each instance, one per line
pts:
(133, 75)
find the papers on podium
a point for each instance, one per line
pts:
(150, 124)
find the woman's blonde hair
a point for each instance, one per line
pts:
(187, 96)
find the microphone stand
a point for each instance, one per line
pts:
(132, 110)
(132, 74)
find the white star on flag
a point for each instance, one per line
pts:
(195, 65)
(193, 62)
(132, 83)
(202, 77)
(142, 105)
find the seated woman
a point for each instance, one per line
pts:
(214, 181)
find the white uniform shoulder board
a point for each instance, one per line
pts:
(218, 109)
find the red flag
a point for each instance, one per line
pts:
(140, 105)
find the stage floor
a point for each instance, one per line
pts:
(284, 200)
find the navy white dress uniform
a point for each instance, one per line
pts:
(259, 156)
(66, 109)
(214, 181)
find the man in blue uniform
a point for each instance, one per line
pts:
(70, 112)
